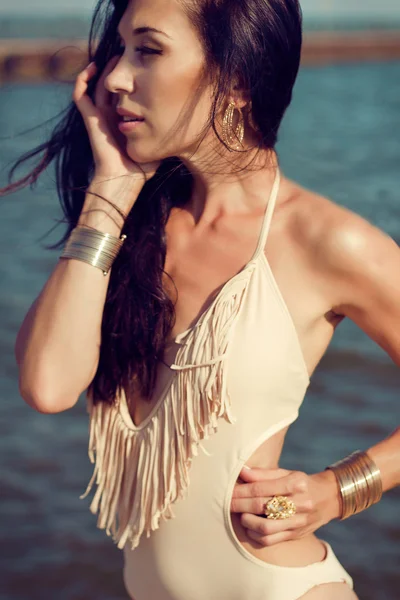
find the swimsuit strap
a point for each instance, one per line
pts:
(268, 215)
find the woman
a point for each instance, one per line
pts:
(223, 282)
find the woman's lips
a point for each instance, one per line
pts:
(128, 126)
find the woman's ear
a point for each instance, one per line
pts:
(240, 93)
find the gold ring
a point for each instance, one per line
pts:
(279, 507)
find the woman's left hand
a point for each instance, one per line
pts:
(316, 496)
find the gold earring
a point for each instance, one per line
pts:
(233, 138)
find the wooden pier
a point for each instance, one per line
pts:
(23, 60)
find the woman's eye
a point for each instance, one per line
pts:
(145, 50)
(141, 49)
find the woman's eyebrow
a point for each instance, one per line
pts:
(146, 29)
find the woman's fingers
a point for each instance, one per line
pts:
(270, 540)
(268, 532)
(105, 138)
(101, 122)
(249, 505)
(250, 499)
(260, 474)
(104, 99)
(271, 526)
(79, 95)
(256, 505)
(106, 103)
(275, 485)
(94, 121)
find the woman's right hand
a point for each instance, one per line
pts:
(106, 140)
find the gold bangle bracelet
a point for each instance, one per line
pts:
(93, 247)
(359, 482)
(374, 477)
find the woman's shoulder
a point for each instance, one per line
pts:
(340, 248)
(324, 228)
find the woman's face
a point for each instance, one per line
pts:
(161, 86)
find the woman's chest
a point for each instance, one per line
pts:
(249, 333)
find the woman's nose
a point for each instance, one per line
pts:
(120, 78)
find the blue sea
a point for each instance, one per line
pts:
(75, 25)
(340, 138)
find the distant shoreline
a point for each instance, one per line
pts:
(23, 60)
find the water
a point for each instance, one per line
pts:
(75, 25)
(338, 138)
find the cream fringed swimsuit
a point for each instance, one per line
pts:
(238, 377)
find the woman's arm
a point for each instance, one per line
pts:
(360, 267)
(386, 456)
(57, 347)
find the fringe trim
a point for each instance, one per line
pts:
(141, 472)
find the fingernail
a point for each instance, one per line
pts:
(246, 467)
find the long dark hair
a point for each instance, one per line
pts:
(257, 40)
